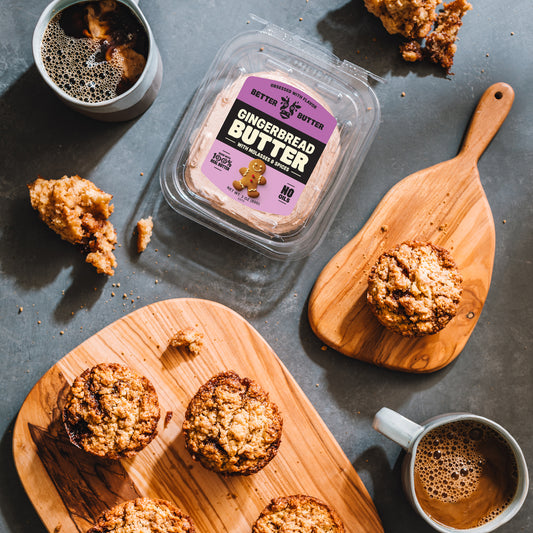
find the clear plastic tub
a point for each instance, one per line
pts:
(271, 142)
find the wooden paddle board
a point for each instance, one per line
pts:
(70, 488)
(445, 205)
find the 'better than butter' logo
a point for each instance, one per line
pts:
(287, 109)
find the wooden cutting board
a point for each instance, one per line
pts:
(70, 488)
(444, 204)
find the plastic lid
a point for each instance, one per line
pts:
(271, 142)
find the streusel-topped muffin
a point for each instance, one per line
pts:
(231, 426)
(144, 515)
(111, 411)
(298, 514)
(415, 289)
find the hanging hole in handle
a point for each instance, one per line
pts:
(498, 95)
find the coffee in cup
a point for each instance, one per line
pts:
(461, 472)
(100, 57)
(465, 474)
(95, 51)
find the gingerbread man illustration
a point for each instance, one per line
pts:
(251, 177)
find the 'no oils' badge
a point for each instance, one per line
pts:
(269, 145)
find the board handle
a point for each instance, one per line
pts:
(491, 111)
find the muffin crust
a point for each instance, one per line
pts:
(298, 514)
(231, 426)
(414, 289)
(144, 515)
(111, 411)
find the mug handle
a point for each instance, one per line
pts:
(396, 427)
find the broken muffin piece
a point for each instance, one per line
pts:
(411, 18)
(188, 338)
(144, 233)
(414, 19)
(78, 211)
(440, 44)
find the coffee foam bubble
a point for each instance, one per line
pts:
(72, 65)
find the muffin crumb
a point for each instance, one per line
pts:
(168, 418)
(144, 233)
(188, 338)
(411, 51)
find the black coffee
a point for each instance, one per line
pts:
(465, 474)
(95, 51)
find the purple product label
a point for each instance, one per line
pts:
(269, 145)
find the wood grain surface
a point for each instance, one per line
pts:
(444, 204)
(70, 488)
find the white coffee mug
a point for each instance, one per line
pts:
(125, 106)
(408, 435)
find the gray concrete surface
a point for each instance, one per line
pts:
(49, 280)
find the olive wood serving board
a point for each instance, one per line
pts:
(444, 204)
(70, 488)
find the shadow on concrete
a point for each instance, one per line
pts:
(60, 142)
(344, 373)
(389, 497)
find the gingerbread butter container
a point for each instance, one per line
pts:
(271, 142)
